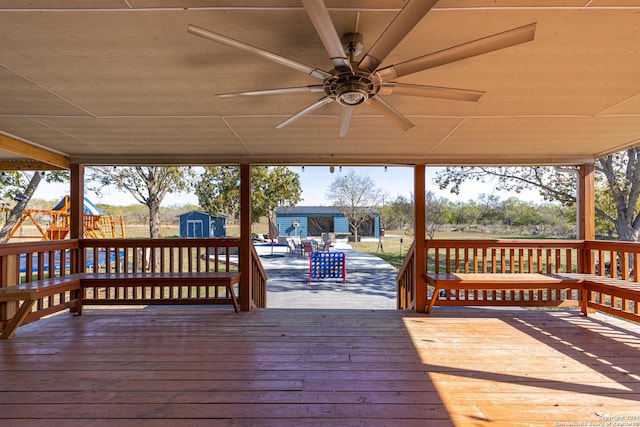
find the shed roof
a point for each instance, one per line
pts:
(312, 210)
(306, 210)
(212, 215)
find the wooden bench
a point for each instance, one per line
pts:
(618, 297)
(149, 279)
(30, 292)
(487, 282)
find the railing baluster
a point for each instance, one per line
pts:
(466, 259)
(493, 260)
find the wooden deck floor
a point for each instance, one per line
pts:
(278, 367)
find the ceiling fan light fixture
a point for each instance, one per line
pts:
(351, 94)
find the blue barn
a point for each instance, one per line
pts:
(202, 224)
(314, 221)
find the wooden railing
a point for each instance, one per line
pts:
(406, 281)
(534, 256)
(612, 259)
(157, 256)
(258, 281)
(25, 262)
(617, 261)
(504, 256)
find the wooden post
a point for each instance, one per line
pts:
(586, 202)
(420, 297)
(244, 263)
(77, 202)
(10, 277)
(586, 205)
(76, 221)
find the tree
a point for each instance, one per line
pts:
(519, 213)
(435, 213)
(618, 173)
(398, 213)
(356, 196)
(218, 190)
(148, 185)
(465, 213)
(20, 186)
(489, 207)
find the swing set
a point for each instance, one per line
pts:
(54, 224)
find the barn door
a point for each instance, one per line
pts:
(195, 228)
(320, 224)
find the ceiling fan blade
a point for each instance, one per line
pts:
(456, 53)
(305, 111)
(389, 112)
(323, 24)
(430, 91)
(345, 120)
(401, 25)
(209, 35)
(285, 90)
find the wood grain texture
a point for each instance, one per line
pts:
(275, 367)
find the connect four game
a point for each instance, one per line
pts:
(328, 265)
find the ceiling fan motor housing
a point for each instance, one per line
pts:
(349, 89)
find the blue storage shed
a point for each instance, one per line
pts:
(313, 221)
(202, 224)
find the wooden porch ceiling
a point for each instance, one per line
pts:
(123, 82)
(211, 367)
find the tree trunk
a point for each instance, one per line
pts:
(18, 209)
(626, 231)
(355, 233)
(154, 219)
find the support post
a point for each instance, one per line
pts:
(419, 194)
(244, 263)
(76, 192)
(586, 205)
(586, 202)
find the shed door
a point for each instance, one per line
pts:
(367, 228)
(320, 224)
(195, 228)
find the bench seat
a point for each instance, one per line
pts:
(602, 293)
(30, 292)
(127, 280)
(498, 282)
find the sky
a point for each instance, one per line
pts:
(315, 180)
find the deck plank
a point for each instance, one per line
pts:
(206, 366)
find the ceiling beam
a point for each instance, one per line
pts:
(26, 165)
(45, 157)
(357, 159)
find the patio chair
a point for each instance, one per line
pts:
(293, 248)
(326, 247)
(307, 247)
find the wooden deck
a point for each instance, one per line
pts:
(276, 367)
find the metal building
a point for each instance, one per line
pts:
(314, 221)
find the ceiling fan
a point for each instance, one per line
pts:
(352, 83)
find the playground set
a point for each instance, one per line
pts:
(54, 224)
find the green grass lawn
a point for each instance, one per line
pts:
(394, 248)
